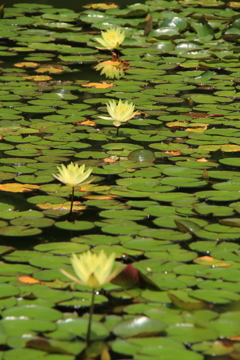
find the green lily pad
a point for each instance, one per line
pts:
(28, 354)
(62, 248)
(189, 333)
(19, 230)
(215, 296)
(226, 325)
(138, 326)
(123, 214)
(77, 327)
(33, 312)
(18, 327)
(76, 226)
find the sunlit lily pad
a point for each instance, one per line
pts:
(213, 348)
(20, 230)
(123, 227)
(123, 214)
(137, 326)
(34, 312)
(216, 296)
(76, 226)
(18, 327)
(77, 327)
(65, 248)
(33, 223)
(190, 333)
(49, 261)
(27, 353)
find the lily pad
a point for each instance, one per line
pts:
(138, 326)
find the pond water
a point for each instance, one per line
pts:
(164, 193)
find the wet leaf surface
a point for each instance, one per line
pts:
(164, 194)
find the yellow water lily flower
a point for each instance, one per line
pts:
(110, 69)
(92, 269)
(111, 38)
(73, 174)
(120, 112)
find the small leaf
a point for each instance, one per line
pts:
(105, 354)
(187, 226)
(148, 26)
(208, 260)
(101, 6)
(99, 85)
(28, 280)
(128, 277)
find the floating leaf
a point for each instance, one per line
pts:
(139, 326)
(183, 301)
(98, 85)
(13, 187)
(208, 260)
(28, 280)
